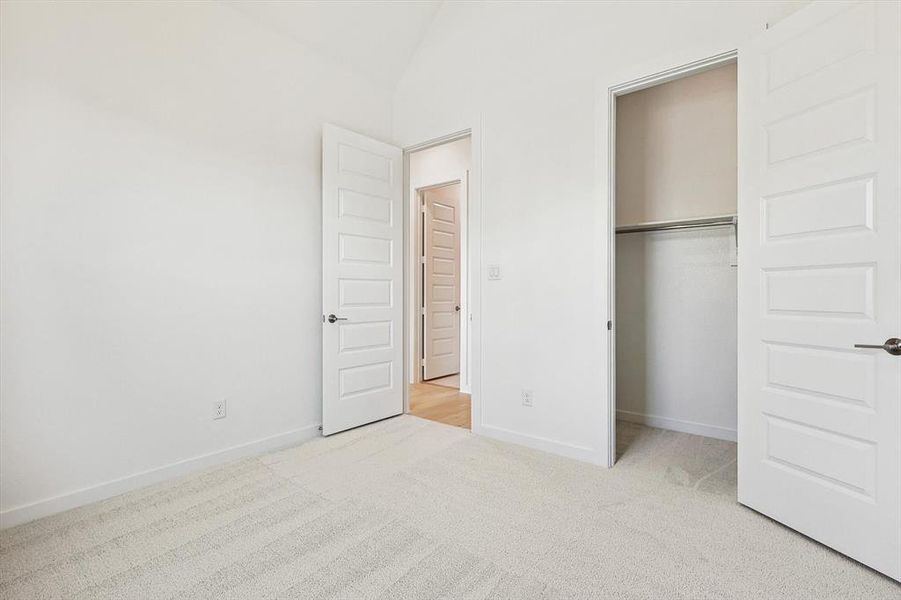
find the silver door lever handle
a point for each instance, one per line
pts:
(333, 318)
(891, 345)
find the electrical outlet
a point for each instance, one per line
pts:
(494, 272)
(527, 398)
(219, 409)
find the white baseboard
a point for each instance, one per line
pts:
(63, 502)
(544, 444)
(714, 431)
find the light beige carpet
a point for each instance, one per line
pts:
(408, 508)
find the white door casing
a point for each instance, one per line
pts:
(819, 427)
(362, 280)
(441, 279)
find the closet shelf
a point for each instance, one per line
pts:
(681, 224)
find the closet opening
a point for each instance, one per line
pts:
(674, 271)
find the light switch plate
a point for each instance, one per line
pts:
(528, 398)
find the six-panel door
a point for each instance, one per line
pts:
(441, 271)
(362, 280)
(820, 270)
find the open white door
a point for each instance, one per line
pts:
(819, 431)
(362, 280)
(441, 278)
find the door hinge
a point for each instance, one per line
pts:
(609, 325)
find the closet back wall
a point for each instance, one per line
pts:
(676, 149)
(676, 290)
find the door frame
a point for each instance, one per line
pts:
(471, 253)
(628, 84)
(415, 344)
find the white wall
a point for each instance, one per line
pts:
(677, 149)
(160, 241)
(432, 166)
(532, 78)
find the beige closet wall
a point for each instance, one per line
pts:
(676, 149)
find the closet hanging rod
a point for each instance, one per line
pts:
(680, 224)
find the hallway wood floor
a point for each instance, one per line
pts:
(442, 404)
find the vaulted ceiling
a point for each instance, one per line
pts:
(374, 37)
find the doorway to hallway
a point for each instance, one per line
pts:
(439, 328)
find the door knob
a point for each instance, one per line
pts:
(457, 308)
(891, 345)
(333, 318)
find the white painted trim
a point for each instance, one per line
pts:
(713, 431)
(474, 249)
(585, 454)
(667, 75)
(409, 353)
(632, 81)
(466, 281)
(42, 508)
(438, 141)
(611, 281)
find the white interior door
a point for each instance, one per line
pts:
(819, 431)
(362, 280)
(441, 280)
